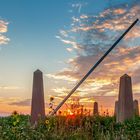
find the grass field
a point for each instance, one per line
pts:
(17, 127)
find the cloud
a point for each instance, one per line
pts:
(114, 18)
(8, 100)
(61, 76)
(100, 31)
(90, 36)
(68, 42)
(63, 33)
(3, 39)
(3, 29)
(69, 49)
(26, 102)
(9, 104)
(104, 80)
(78, 6)
(119, 11)
(10, 87)
(3, 26)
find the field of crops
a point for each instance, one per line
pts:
(17, 127)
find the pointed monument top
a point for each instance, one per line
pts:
(125, 75)
(135, 100)
(95, 102)
(38, 71)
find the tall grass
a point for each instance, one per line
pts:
(17, 127)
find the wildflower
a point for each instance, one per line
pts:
(51, 99)
(15, 115)
(14, 112)
(47, 122)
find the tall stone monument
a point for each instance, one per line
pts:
(125, 102)
(136, 108)
(37, 106)
(95, 109)
(116, 109)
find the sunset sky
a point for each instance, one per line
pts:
(64, 39)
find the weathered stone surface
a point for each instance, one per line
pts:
(116, 109)
(125, 104)
(95, 109)
(136, 107)
(37, 106)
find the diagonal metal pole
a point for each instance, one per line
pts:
(91, 70)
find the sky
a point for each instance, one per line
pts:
(64, 39)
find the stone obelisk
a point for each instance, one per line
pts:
(136, 108)
(95, 109)
(116, 109)
(37, 106)
(125, 102)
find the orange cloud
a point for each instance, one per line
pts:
(89, 37)
(3, 29)
(3, 26)
(119, 11)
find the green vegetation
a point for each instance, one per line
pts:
(17, 127)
